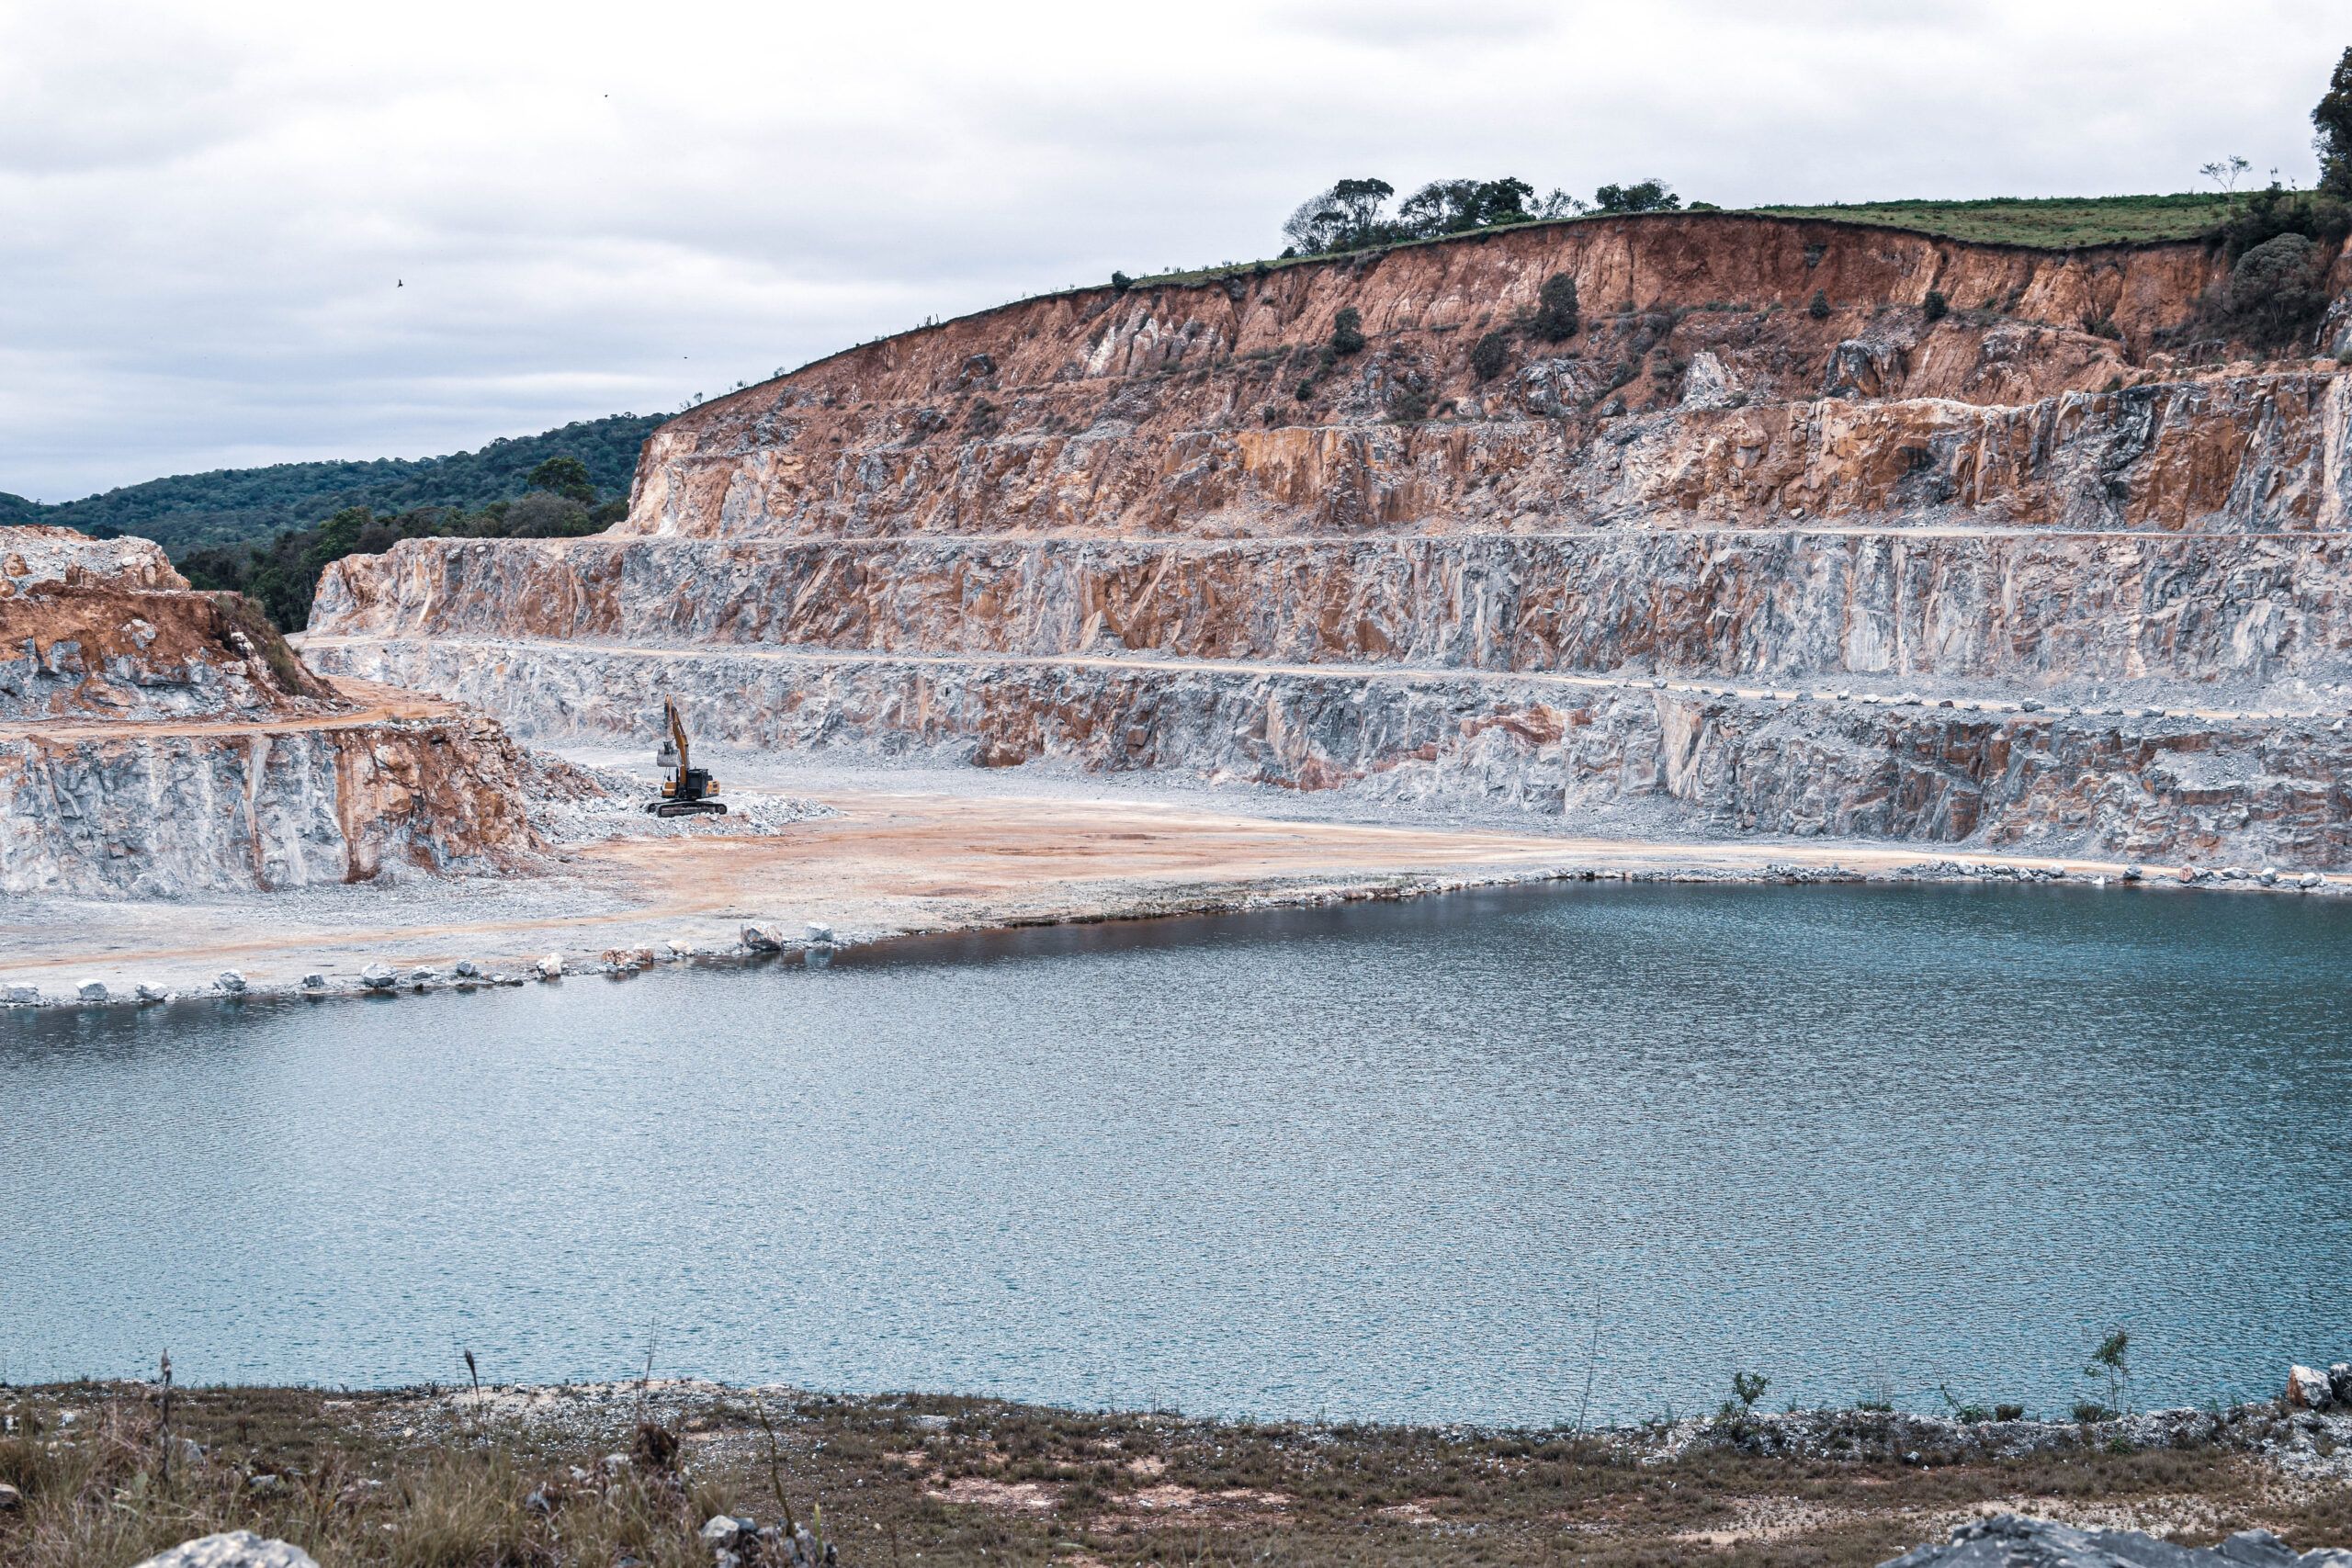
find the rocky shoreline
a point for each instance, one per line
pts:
(704, 1474)
(767, 941)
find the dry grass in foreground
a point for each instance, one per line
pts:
(425, 1479)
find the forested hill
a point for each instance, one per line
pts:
(237, 506)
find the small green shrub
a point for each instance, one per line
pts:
(1819, 309)
(2009, 1413)
(2267, 214)
(1557, 316)
(1347, 332)
(1491, 356)
(1120, 283)
(1936, 306)
(2111, 1363)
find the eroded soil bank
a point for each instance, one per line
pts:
(608, 1474)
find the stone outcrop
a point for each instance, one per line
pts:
(2010, 609)
(2010, 1541)
(156, 741)
(141, 816)
(1681, 563)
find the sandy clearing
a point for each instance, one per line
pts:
(891, 862)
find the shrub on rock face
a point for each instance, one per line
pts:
(1491, 356)
(1936, 306)
(1347, 331)
(1819, 309)
(2275, 289)
(1557, 315)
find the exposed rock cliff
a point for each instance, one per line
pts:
(155, 741)
(1669, 562)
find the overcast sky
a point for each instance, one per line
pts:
(205, 210)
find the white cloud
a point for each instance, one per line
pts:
(593, 206)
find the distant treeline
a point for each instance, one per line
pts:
(231, 507)
(283, 575)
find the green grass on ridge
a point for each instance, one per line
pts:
(2055, 223)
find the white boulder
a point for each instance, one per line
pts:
(229, 983)
(233, 1549)
(92, 990)
(551, 966)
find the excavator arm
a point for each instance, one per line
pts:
(678, 740)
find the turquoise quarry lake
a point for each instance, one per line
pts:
(1432, 1161)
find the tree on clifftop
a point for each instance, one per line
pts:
(1344, 218)
(1643, 196)
(1351, 214)
(1457, 207)
(2331, 117)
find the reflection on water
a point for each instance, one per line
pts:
(1406, 1161)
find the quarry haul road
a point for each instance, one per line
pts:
(888, 864)
(372, 703)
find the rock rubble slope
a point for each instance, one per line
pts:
(2059, 568)
(2009, 1541)
(156, 741)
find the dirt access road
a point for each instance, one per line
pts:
(888, 863)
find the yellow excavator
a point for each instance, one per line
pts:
(688, 790)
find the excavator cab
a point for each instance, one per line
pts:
(688, 790)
